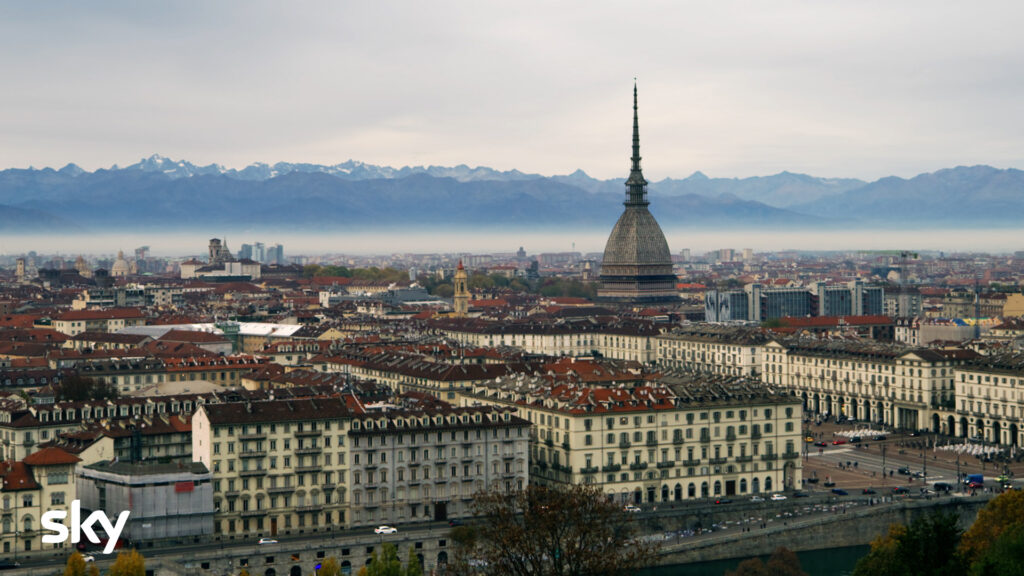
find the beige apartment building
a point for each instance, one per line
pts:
(680, 439)
(990, 400)
(713, 349)
(40, 482)
(898, 386)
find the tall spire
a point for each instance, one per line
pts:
(636, 186)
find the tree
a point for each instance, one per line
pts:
(783, 562)
(129, 563)
(93, 570)
(75, 565)
(1003, 556)
(76, 388)
(386, 563)
(412, 564)
(1000, 514)
(329, 567)
(928, 546)
(243, 572)
(558, 530)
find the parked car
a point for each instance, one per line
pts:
(723, 501)
(756, 499)
(266, 541)
(778, 497)
(878, 437)
(8, 564)
(840, 492)
(868, 491)
(631, 508)
(385, 530)
(799, 494)
(455, 522)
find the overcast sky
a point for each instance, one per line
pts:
(845, 89)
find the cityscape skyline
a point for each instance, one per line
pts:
(731, 90)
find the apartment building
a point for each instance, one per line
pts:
(31, 487)
(278, 466)
(889, 384)
(426, 464)
(713, 349)
(989, 400)
(679, 439)
(74, 322)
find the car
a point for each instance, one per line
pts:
(723, 501)
(266, 541)
(799, 494)
(838, 441)
(822, 444)
(904, 470)
(901, 490)
(8, 564)
(868, 491)
(89, 558)
(778, 497)
(878, 437)
(942, 487)
(385, 530)
(809, 439)
(840, 492)
(455, 522)
(855, 439)
(631, 508)
(918, 474)
(756, 499)
(975, 485)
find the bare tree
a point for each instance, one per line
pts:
(557, 531)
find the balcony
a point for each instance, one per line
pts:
(313, 450)
(625, 443)
(668, 464)
(652, 441)
(611, 468)
(638, 466)
(560, 468)
(250, 473)
(308, 433)
(311, 468)
(744, 458)
(691, 462)
(705, 437)
(677, 439)
(791, 455)
(589, 470)
(508, 456)
(280, 489)
(232, 494)
(565, 445)
(253, 454)
(717, 461)
(258, 436)
(310, 508)
(755, 435)
(550, 443)
(730, 436)
(328, 486)
(769, 457)
(253, 513)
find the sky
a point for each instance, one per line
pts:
(860, 89)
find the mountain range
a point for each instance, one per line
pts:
(158, 193)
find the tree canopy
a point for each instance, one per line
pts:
(783, 562)
(129, 563)
(385, 562)
(1002, 513)
(927, 547)
(76, 388)
(557, 530)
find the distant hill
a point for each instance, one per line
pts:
(162, 194)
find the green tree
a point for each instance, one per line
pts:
(927, 547)
(329, 567)
(384, 562)
(782, 562)
(559, 530)
(412, 564)
(1001, 513)
(75, 565)
(76, 388)
(129, 563)
(1003, 556)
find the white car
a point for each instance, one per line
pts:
(267, 541)
(778, 497)
(631, 508)
(756, 499)
(89, 558)
(386, 530)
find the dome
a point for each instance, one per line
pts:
(637, 240)
(120, 267)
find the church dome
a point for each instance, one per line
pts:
(120, 267)
(636, 240)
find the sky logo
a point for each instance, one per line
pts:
(52, 521)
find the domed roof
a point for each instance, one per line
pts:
(637, 240)
(120, 267)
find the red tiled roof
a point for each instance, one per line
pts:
(51, 456)
(111, 314)
(17, 476)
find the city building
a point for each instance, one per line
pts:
(637, 264)
(164, 500)
(38, 483)
(460, 298)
